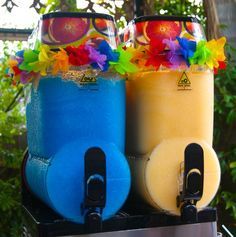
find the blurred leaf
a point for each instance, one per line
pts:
(232, 165)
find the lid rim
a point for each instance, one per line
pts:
(77, 15)
(165, 18)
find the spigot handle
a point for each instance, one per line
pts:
(95, 188)
(193, 181)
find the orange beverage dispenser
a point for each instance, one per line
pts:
(170, 102)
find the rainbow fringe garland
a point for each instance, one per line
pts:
(181, 53)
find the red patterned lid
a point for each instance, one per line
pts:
(142, 29)
(60, 29)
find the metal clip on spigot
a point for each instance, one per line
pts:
(95, 188)
(192, 189)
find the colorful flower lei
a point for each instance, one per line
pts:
(180, 53)
(30, 63)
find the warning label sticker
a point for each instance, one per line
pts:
(85, 80)
(184, 83)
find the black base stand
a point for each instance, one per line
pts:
(41, 221)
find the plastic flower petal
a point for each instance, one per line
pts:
(172, 45)
(105, 49)
(78, 56)
(44, 62)
(98, 60)
(30, 56)
(139, 56)
(26, 77)
(202, 55)
(19, 56)
(13, 69)
(20, 53)
(157, 55)
(217, 50)
(16, 70)
(222, 66)
(123, 65)
(187, 48)
(61, 62)
(217, 47)
(12, 62)
(174, 54)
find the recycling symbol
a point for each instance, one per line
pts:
(184, 83)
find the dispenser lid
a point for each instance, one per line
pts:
(60, 29)
(145, 28)
(165, 18)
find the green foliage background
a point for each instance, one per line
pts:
(180, 8)
(12, 126)
(225, 137)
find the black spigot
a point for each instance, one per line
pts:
(193, 177)
(188, 212)
(95, 188)
(93, 221)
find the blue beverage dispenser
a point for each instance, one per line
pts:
(76, 125)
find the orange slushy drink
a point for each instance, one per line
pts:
(170, 109)
(168, 104)
(166, 111)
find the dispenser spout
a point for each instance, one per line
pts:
(192, 187)
(95, 188)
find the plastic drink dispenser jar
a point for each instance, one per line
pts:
(170, 118)
(76, 124)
